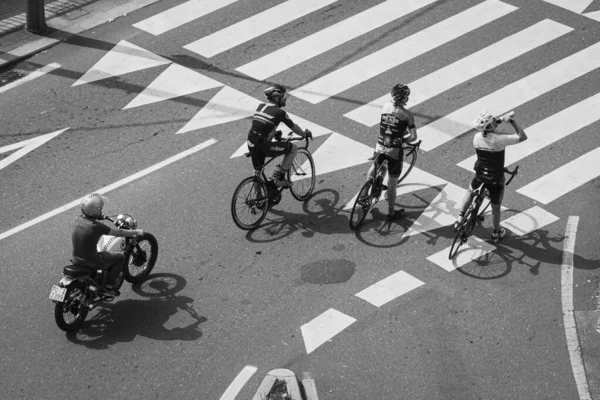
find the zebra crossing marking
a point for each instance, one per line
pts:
(331, 37)
(389, 288)
(550, 130)
(254, 26)
(529, 221)
(467, 68)
(472, 250)
(402, 51)
(564, 179)
(324, 327)
(509, 97)
(180, 15)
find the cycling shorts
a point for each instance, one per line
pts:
(495, 187)
(394, 165)
(260, 150)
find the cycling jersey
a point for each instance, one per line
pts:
(490, 152)
(394, 122)
(265, 121)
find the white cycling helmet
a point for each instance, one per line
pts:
(91, 205)
(483, 120)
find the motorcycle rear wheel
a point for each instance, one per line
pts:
(73, 306)
(141, 261)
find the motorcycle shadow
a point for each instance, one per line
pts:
(124, 320)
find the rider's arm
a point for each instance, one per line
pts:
(519, 130)
(125, 232)
(290, 124)
(411, 128)
(298, 131)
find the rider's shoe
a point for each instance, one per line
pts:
(110, 291)
(396, 215)
(497, 235)
(279, 179)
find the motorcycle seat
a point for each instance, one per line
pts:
(78, 270)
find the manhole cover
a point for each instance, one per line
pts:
(10, 76)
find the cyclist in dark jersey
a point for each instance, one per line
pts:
(396, 120)
(86, 233)
(489, 167)
(263, 130)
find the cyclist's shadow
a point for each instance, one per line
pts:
(124, 320)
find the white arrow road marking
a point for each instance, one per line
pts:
(110, 187)
(122, 59)
(26, 146)
(175, 81)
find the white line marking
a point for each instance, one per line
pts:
(254, 26)
(34, 75)
(323, 328)
(331, 37)
(550, 130)
(561, 72)
(180, 15)
(472, 250)
(110, 187)
(577, 6)
(568, 312)
(402, 51)
(25, 147)
(564, 179)
(466, 68)
(238, 383)
(389, 288)
(529, 221)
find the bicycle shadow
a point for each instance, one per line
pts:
(125, 320)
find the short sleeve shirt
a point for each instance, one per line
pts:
(85, 237)
(490, 151)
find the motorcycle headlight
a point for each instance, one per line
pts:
(131, 222)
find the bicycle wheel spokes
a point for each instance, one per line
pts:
(302, 175)
(361, 206)
(410, 158)
(464, 231)
(249, 203)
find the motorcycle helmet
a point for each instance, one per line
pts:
(91, 205)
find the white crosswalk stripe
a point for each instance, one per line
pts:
(505, 51)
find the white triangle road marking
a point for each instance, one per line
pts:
(122, 59)
(175, 81)
(25, 147)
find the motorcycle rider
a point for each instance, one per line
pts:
(85, 236)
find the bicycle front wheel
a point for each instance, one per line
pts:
(464, 231)
(361, 206)
(410, 158)
(249, 203)
(302, 175)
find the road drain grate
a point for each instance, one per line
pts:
(10, 76)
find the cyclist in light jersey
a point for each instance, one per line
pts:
(489, 167)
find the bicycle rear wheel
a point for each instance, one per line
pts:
(302, 175)
(249, 203)
(410, 158)
(361, 208)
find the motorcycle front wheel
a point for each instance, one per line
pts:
(71, 313)
(140, 262)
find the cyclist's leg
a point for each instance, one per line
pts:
(496, 196)
(395, 170)
(288, 150)
(467, 199)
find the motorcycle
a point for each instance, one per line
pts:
(82, 287)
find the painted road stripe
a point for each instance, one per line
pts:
(33, 75)
(329, 158)
(108, 188)
(402, 51)
(331, 37)
(472, 250)
(529, 221)
(122, 59)
(255, 26)
(550, 130)
(179, 15)
(175, 81)
(572, 336)
(466, 68)
(238, 383)
(25, 147)
(577, 6)
(564, 179)
(511, 96)
(323, 328)
(389, 288)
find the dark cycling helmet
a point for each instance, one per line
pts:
(276, 94)
(91, 205)
(400, 93)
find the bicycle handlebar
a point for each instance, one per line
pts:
(511, 173)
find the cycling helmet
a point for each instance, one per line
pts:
(400, 93)
(276, 94)
(91, 205)
(483, 120)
